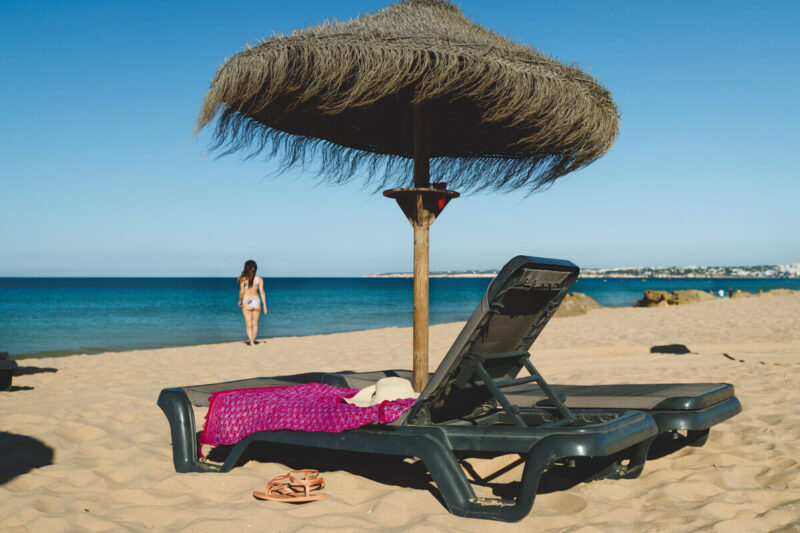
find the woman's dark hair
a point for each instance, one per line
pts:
(249, 272)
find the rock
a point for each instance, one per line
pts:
(652, 298)
(662, 298)
(689, 296)
(575, 304)
(779, 292)
(677, 349)
(743, 294)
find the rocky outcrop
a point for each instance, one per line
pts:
(653, 299)
(575, 304)
(689, 296)
(780, 292)
(660, 298)
(743, 294)
(771, 292)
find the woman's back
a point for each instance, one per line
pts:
(251, 291)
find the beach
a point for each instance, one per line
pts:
(83, 445)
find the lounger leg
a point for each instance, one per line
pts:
(636, 460)
(182, 429)
(447, 474)
(500, 509)
(236, 453)
(697, 437)
(636, 456)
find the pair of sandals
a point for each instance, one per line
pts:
(297, 486)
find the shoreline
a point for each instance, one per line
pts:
(98, 351)
(101, 351)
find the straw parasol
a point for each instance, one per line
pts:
(413, 91)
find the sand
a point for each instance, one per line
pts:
(83, 446)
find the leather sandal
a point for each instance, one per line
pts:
(293, 488)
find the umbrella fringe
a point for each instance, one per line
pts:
(338, 164)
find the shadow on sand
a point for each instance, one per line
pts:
(386, 469)
(30, 370)
(20, 454)
(392, 470)
(25, 371)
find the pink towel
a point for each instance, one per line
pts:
(234, 414)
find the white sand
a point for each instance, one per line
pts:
(112, 464)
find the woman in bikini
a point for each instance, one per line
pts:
(251, 299)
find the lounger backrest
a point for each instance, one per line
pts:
(515, 308)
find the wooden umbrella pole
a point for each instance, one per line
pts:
(421, 272)
(422, 179)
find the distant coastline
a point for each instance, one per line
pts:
(789, 271)
(459, 274)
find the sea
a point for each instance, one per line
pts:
(62, 316)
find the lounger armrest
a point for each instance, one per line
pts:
(178, 410)
(700, 419)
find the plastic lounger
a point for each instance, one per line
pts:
(462, 409)
(692, 408)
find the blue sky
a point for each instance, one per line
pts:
(101, 173)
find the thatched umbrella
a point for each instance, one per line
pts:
(411, 91)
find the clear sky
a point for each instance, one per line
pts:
(100, 173)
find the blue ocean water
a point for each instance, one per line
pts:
(54, 316)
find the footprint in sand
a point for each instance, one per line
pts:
(47, 504)
(724, 510)
(782, 462)
(81, 433)
(743, 477)
(771, 419)
(771, 480)
(733, 477)
(738, 524)
(122, 475)
(561, 502)
(84, 479)
(694, 491)
(388, 514)
(625, 491)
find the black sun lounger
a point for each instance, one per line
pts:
(684, 412)
(462, 409)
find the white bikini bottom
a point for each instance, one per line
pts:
(254, 303)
